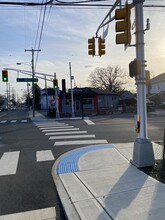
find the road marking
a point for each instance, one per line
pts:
(13, 121)
(51, 124)
(72, 136)
(56, 127)
(89, 122)
(65, 129)
(8, 163)
(67, 132)
(80, 142)
(3, 121)
(24, 121)
(44, 155)
(40, 214)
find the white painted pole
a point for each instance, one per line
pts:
(143, 154)
(72, 100)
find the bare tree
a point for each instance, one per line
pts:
(111, 78)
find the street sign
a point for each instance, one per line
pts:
(27, 80)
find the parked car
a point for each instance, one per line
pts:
(4, 108)
(13, 108)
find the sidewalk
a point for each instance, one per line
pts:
(99, 183)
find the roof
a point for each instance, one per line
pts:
(93, 91)
(86, 91)
(158, 79)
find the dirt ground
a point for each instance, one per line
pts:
(157, 172)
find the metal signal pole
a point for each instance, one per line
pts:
(143, 150)
(33, 73)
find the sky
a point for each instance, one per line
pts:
(64, 40)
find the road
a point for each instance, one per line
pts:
(25, 179)
(30, 186)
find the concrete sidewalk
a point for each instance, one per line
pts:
(98, 182)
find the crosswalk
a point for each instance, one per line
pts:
(63, 135)
(61, 132)
(13, 121)
(10, 160)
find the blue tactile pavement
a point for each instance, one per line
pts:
(69, 163)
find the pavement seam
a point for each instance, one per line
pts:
(93, 196)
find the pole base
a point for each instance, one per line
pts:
(143, 154)
(57, 114)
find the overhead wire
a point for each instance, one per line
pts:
(41, 33)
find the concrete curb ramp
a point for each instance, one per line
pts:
(98, 182)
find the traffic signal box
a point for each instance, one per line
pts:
(4, 75)
(55, 84)
(101, 46)
(91, 46)
(135, 68)
(123, 25)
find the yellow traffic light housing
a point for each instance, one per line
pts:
(101, 46)
(4, 75)
(91, 46)
(55, 84)
(123, 25)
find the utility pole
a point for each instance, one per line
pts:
(33, 73)
(56, 99)
(71, 78)
(143, 154)
(46, 92)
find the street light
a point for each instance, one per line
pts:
(32, 66)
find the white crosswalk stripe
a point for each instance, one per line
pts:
(66, 132)
(80, 142)
(9, 162)
(58, 127)
(50, 124)
(40, 214)
(24, 121)
(89, 122)
(13, 121)
(72, 136)
(65, 129)
(2, 122)
(44, 155)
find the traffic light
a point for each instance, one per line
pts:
(101, 46)
(4, 75)
(55, 84)
(123, 25)
(135, 68)
(91, 46)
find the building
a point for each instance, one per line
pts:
(157, 88)
(87, 101)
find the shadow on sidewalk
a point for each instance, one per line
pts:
(119, 203)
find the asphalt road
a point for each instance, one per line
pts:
(31, 187)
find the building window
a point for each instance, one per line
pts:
(68, 102)
(87, 101)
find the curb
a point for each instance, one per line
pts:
(70, 210)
